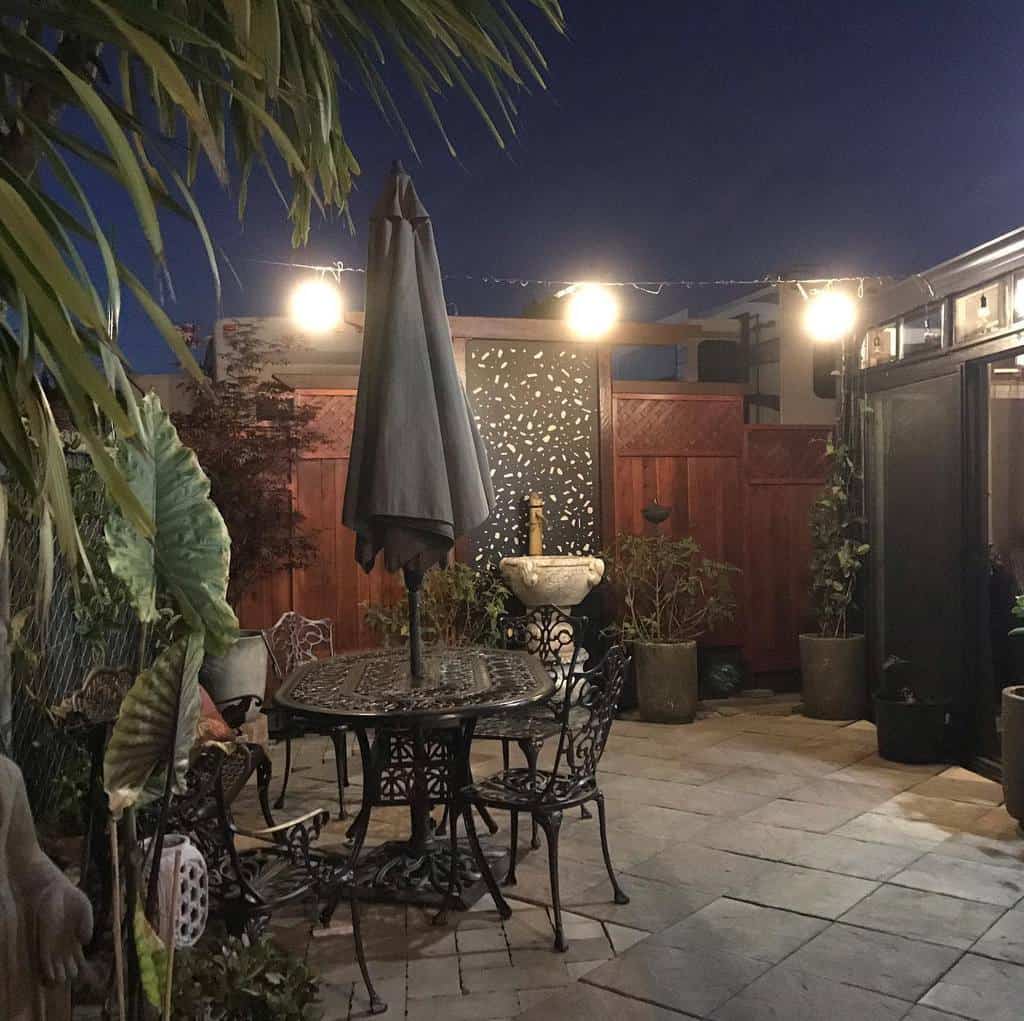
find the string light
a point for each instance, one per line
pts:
(316, 306)
(830, 315)
(592, 311)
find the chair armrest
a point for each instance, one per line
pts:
(270, 832)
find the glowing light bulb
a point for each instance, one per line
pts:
(830, 316)
(592, 310)
(316, 306)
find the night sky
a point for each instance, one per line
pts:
(697, 140)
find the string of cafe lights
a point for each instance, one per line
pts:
(592, 309)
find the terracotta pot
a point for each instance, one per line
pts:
(1013, 750)
(834, 683)
(666, 681)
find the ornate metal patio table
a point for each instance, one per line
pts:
(418, 754)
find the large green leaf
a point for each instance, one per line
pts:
(189, 552)
(161, 707)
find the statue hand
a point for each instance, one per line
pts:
(64, 927)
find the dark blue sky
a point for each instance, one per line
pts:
(693, 140)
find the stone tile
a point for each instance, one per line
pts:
(551, 974)
(959, 784)
(595, 948)
(828, 852)
(705, 868)
(489, 959)
(887, 829)
(530, 930)
(622, 937)
(673, 770)
(786, 994)
(754, 780)
(652, 906)
(922, 770)
(921, 1013)
(992, 884)
(646, 826)
(994, 839)
(808, 891)
(392, 991)
(584, 845)
(942, 812)
(585, 1002)
(888, 778)
(475, 941)
(841, 793)
(736, 927)
(883, 962)
(928, 916)
(977, 987)
(477, 1007)
(1005, 939)
(533, 881)
(433, 976)
(801, 815)
(682, 797)
(694, 983)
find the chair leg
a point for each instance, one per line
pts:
(492, 826)
(377, 1005)
(531, 753)
(338, 740)
(485, 870)
(551, 823)
(441, 918)
(585, 812)
(344, 757)
(287, 772)
(513, 848)
(504, 755)
(620, 895)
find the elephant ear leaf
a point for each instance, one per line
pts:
(189, 553)
(161, 706)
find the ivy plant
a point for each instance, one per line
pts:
(837, 541)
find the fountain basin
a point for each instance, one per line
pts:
(552, 581)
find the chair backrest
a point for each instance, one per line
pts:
(548, 633)
(592, 697)
(98, 700)
(295, 639)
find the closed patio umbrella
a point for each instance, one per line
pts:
(418, 477)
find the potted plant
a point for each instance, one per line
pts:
(459, 605)
(670, 594)
(910, 728)
(245, 427)
(832, 659)
(1013, 730)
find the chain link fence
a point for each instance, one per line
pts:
(51, 663)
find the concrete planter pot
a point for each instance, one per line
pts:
(1013, 750)
(241, 671)
(834, 685)
(666, 681)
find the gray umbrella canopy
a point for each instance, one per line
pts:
(418, 476)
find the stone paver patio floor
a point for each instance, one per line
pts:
(777, 869)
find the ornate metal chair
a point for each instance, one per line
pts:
(280, 866)
(294, 640)
(586, 717)
(555, 638)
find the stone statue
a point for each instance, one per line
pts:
(45, 920)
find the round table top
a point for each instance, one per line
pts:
(363, 687)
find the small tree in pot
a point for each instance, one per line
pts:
(670, 595)
(832, 660)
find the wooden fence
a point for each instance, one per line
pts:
(743, 491)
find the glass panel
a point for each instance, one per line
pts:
(1004, 528)
(921, 331)
(879, 346)
(979, 313)
(916, 514)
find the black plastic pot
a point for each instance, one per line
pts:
(911, 731)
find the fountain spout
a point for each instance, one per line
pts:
(535, 547)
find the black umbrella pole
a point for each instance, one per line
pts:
(413, 581)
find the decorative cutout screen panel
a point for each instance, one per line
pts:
(536, 406)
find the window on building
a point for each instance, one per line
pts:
(980, 313)
(878, 346)
(921, 331)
